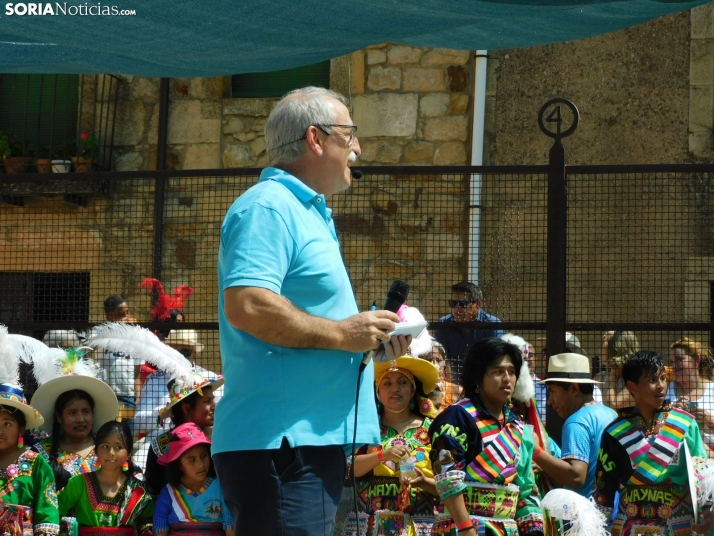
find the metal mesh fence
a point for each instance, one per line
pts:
(640, 255)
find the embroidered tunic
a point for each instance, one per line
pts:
(650, 473)
(83, 499)
(182, 505)
(29, 483)
(492, 460)
(72, 462)
(380, 489)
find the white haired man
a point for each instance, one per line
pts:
(290, 332)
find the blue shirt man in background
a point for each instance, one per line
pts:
(291, 336)
(570, 392)
(466, 306)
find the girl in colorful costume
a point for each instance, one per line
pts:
(110, 501)
(27, 485)
(482, 452)
(191, 504)
(77, 403)
(645, 455)
(389, 499)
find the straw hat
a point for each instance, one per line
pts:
(13, 396)
(569, 368)
(181, 389)
(184, 337)
(425, 371)
(106, 406)
(71, 372)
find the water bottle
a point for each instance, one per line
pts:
(406, 467)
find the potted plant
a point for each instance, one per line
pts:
(88, 149)
(44, 165)
(12, 156)
(61, 162)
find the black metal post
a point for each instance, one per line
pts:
(557, 236)
(160, 184)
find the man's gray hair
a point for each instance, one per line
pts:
(291, 118)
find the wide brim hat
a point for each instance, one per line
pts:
(181, 389)
(13, 396)
(184, 337)
(425, 371)
(106, 406)
(569, 368)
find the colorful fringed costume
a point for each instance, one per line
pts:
(28, 499)
(128, 513)
(380, 491)
(492, 469)
(72, 462)
(650, 473)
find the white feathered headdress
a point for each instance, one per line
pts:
(525, 388)
(142, 345)
(584, 517)
(12, 394)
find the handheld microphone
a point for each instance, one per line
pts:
(357, 174)
(396, 296)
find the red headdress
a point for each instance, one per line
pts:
(165, 304)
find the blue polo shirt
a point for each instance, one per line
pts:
(279, 235)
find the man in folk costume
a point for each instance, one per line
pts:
(646, 456)
(482, 451)
(570, 392)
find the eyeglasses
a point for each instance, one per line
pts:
(324, 128)
(461, 303)
(186, 352)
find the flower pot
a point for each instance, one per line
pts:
(16, 164)
(44, 165)
(81, 164)
(61, 166)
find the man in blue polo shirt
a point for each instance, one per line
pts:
(290, 332)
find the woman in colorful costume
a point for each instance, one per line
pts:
(28, 500)
(405, 414)
(645, 454)
(192, 503)
(482, 452)
(110, 501)
(76, 403)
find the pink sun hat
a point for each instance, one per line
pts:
(173, 444)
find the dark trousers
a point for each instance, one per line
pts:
(286, 491)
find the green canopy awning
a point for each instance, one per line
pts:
(181, 38)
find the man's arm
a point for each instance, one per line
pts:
(571, 473)
(274, 319)
(137, 382)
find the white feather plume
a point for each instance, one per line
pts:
(42, 358)
(525, 388)
(584, 517)
(142, 345)
(9, 371)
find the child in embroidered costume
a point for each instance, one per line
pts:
(110, 501)
(191, 504)
(405, 415)
(489, 485)
(645, 454)
(28, 500)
